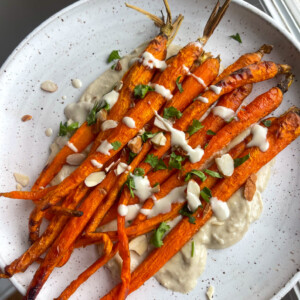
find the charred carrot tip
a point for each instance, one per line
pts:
(286, 83)
(265, 49)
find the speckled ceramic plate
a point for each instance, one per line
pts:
(74, 44)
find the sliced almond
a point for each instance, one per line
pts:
(139, 244)
(75, 159)
(26, 118)
(135, 144)
(159, 139)
(109, 124)
(250, 187)
(22, 179)
(18, 187)
(102, 115)
(121, 168)
(156, 189)
(94, 179)
(210, 291)
(49, 86)
(225, 164)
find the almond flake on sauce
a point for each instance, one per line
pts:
(49, 86)
(26, 118)
(250, 187)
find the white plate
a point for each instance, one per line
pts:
(75, 43)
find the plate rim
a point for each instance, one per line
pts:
(256, 11)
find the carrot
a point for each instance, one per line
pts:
(28, 195)
(280, 134)
(65, 211)
(245, 60)
(44, 242)
(253, 112)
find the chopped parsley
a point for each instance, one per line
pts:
(193, 249)
(230, 120)
(210, 132)
(267, 123)
(131, 186)
(187, 213)
(236, 37)
(241, 160)
(160, 165)
(155, 162)
(141, 90)
(139, 172)
(116, 145)
(206, 194)
(172, 112)
(205, 145)
(213, 173)
(148, 135)
(197, 173)
(196, 126)
(113, 56)
(65, 128)
(91, 118)
(158, 234)
(179, 86)
(131, 156)
(175, 161)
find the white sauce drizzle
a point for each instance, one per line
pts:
(145, 211)
(76, 83)
(219, 208)
(111, 98)
(193, 195)
(202, 99)
(223, 112)
(122, 210)
(105, 147)
(199, 79)
(216, 89)
(129, 122)
(160, 89)
(148, 60)
(164, 204)
(178, 139)
(109, 124)
(96, 164)
(72, 147)
(143, 188)
(133, 211)
(259, 138)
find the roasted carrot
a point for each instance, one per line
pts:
(280, 134)
(44, 242)
(28, 195)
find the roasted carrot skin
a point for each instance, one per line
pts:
(280, 134)
(28, 195)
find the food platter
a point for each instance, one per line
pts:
(74, 44)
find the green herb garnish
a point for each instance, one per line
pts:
(160, 165)
(116, 145)
(148, 135)
(187, 213)
(197, 173)
(205, 145)
(213, 173)
(131, 156)
(236, 37)
(210, 132)
(179, 84)
(241, 160)
(206, 194)
(139, 172)
(158, 234)
(152, 160)
(172, 112)
(65, 128)
(267, 123)
(141, 90)
(113, 56)
(91, 118)
(175, 161)
(131, 186)
(193, 249)
(196, 126)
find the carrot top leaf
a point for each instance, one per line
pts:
(141, 90)
(172, 112)
(116, 145)
(65, 128)
(236, 37)
(113, 55)
(196, 126)
(179, 86)
(240, 160)
(158, 234)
